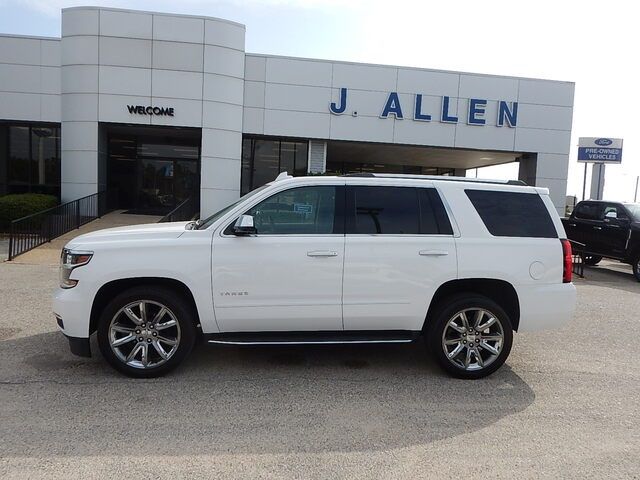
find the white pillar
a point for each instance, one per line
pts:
(317, 156)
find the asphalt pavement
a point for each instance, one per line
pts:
(566, 404)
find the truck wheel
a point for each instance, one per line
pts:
(636, 267)
(470, 336)
(592, 260)
(145, 331)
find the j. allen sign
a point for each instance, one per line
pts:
(507, 111)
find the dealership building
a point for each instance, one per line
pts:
(162, 107)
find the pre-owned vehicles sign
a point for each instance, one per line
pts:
(600, 150)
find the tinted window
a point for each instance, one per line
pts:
(588, 211)
(510, 214)
(385, 210)
(614, 211)
(433, 216)
(29, 158)
(304, 210)
(263, 159)
(19, 154)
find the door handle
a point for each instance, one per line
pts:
(572, 224)
(322, 253)
(433, 253)
(597, 228)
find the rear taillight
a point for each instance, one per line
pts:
(567, 261)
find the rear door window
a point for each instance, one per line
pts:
(433, 216)
(513, 214)
(385, 210)
(379, 210)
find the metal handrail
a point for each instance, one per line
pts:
(33, 230)
(578, 253)
(184, 211)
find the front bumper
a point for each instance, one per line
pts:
(79, 346)
(72, 310)
(73, 306)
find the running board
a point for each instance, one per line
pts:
(312, 338)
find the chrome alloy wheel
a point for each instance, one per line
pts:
(144, 334)
(473, 339)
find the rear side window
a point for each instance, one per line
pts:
(512, 214)
(588, 211)
(395, 211)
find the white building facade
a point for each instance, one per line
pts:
(166, 107)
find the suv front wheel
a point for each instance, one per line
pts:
(145, 331)
(470, 336)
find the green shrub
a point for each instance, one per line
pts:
(20, 205)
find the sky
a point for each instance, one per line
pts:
(594, 44)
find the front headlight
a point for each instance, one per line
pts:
(69, 260)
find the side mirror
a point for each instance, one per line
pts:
(611, 214)
(244, 226)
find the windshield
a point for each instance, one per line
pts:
(206, 223)
(634, 210)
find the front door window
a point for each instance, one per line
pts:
(304, 210)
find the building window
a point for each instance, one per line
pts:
(263, 159)
(343, 168)
(30, 158)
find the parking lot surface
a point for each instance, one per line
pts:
(566, 404)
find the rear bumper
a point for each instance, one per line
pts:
(546, 306)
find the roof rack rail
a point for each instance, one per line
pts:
(446, 178)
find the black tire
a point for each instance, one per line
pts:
(636, 267)
(592, 260)
(177, 308)
(435, 333)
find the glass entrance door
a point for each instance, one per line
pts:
(157, 185)
(153, 173)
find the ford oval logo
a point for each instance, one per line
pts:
(603, 142)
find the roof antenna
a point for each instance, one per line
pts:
(282, 176)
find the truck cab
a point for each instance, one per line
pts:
(607, 229)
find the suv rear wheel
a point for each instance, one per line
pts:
(470, 336)
(147, 331)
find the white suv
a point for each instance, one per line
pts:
(325, 260)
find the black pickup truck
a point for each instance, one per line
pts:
(607, 229)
